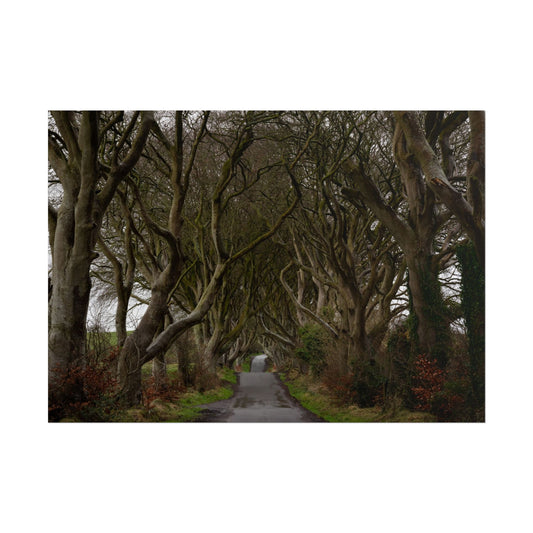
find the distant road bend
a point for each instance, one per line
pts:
(260, 397)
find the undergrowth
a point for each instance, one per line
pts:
(169, 401)
(177, 403)
(316, 398)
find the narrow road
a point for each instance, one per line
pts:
(260, 397)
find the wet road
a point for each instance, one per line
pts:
(260, 397)
(258, 363)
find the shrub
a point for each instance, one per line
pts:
(362, 385)
(339, 386)
(166, 391)
(312, 349)
(399, 365)
(448, 395)
(368, 382)
(427, 381)
(206, 380)
(450, 404)
(456, 401)
(91, 387)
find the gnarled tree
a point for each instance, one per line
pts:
(91, 154)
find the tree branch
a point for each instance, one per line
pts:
(64, 125)
(372, 197)
(302, 307)
(438, 182)
(118, 173)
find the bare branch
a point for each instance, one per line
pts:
(302, 307)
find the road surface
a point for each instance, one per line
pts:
(260, 397)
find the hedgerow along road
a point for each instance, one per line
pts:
(260, 397)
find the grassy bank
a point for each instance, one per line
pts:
(174, 404)
(314, 397)
(184, 408)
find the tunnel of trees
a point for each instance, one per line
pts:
(348, 245)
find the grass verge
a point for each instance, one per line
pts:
(185, 408)
(315, 398)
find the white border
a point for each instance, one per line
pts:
(302, 55)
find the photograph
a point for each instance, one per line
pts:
(266, 266)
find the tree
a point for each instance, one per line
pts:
(469, 211)
(344, 255)
(90, 154)
(123, 262)
(415, 231)
(236, 133)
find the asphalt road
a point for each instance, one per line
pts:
(259, 397)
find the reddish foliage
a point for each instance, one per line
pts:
(83, 391)
(166, 391)
(113, 354)
(340, 387)
(448, 406)
(428, 381)
(379, 398)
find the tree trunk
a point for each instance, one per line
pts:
(211, 351)
(300, 316)
(159, 371)
(74, 238)
(121, 316)
(473, 304)
(321, 297)
(432, 325)
(159, 365)
(131, 355)
(362, 345)
(67, 335)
